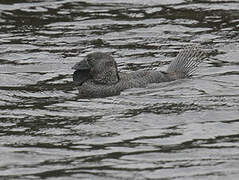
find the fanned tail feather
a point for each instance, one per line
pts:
(186, 62)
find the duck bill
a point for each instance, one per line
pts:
(82, 72)
(81, 76)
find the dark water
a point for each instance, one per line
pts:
(187, 129)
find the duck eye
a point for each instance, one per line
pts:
(90, 60)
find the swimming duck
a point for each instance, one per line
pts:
(97, 74)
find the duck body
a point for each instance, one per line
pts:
(138, 79)
(97, 75)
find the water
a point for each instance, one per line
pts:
(187, 129)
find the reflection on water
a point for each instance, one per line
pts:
(187, 129)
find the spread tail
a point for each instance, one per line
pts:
(186, 62)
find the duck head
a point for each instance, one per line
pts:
(100, 67)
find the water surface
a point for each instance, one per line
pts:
(186, 129)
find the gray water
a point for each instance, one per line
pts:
(186, 129)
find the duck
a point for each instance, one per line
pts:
(97, 75)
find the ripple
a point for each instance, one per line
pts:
(186, 129)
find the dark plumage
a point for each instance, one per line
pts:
(97, 74)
